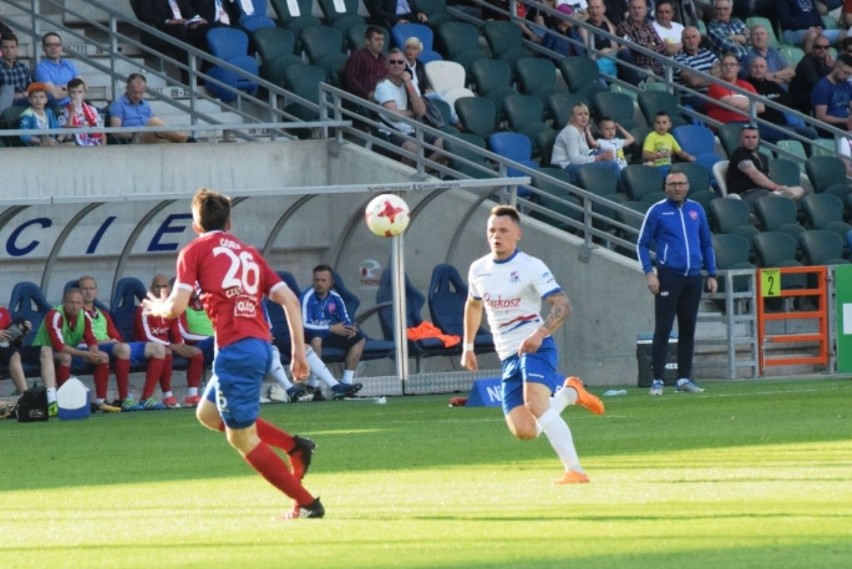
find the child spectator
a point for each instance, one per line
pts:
(38, 116)
(609, 142)
(79, 114)
(660, 144)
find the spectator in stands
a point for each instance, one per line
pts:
(637, 30)
(398, 94)
(846, 15)
(121, 353)
(801, 24)
(697, 58)
(416, 69)
(727, 34)
(559, 34)
(38, 116)
(660, 145)
(217, 12)
(832, 95)
(777, 68)
(603, 49)
(748, 171)
(328, 324)
(80, 114)
(389, 13)
(571, 149)
(812, 67)
(609, 129)
(759, 78)
(63, 329)
(54, 71)
(13, 355)
(164, 331)
(670, 32)
(721, 91)
(14, 74)
(132, 110)
(178, 18)
(616, 11)
(365, 67)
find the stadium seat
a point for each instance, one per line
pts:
(824, 211)
(454, 95)
(537, 77)
(560, 105)
(617, 106)
(459, 41)
(304, 80)
(727, 214)
(640, 180)
(9, 120)
(492, 78)
(401, 32)
(278, 319)
(775, 249)
(28, 302)
(478, 115)
(695, 139)
(344, 18)
(732, 252)
(231, 45)
(277, 50)
(446, 298)
(822, 247)
(825, 171)
(319, 42)
(729, 136)
(720, 169)
(446, 76)
(464, 160)
(564, 210)
(578, 71)
(516, 147)
(257, 20)
(778, 214)
(505, 40)
(544, 142)
(796, 150)
(602, 183)
(787, 173)
(525, 114)
(129, 292)
(414, 301)
(652, 102)
(793, 54)
(291, 19)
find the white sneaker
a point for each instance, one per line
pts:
(656, 387)
(685, 385)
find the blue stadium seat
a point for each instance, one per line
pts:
(231, 45)
(28, 302)
(447, 296)
(129, 292)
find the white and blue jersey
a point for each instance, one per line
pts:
(511, 291)
(681, 237)
(319, 314)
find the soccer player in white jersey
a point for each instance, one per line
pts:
(510, 286)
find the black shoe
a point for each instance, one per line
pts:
(301, 455)
(318, 396)
(313, 510)
(342, 390)
(191, 139)
(298, 393)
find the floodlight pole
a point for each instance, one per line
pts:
(400, 338)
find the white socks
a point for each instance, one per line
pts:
(559, 435)
(319, 369)
(276, 370)
(562, 399)
(51, 395)
(348, 376)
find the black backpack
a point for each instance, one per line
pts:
(32, 405)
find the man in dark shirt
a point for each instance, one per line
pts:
(366, 66)
(14, 75)
(813, 67)
(748, 171)
(639, 31)
(758, 78)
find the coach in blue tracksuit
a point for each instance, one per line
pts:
(676, 228)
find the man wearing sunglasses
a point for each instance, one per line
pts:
(399, 95)
(812, 67)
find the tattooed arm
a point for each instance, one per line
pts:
(560, 309)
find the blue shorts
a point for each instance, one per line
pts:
(539, 367)
(207, 347)
(137, 351)
(238, 373)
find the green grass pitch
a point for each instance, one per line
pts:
(751, 474)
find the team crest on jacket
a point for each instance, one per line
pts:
(693, 214)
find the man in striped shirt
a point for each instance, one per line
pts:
(696, 58)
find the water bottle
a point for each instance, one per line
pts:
(615, 392)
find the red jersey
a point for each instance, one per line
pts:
(5, 318)
(157, 329)
(717, 91)
(233, 278)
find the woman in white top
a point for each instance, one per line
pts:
(571, 150)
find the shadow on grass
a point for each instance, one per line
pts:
(423, 433)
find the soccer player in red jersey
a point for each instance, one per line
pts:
(233, 278)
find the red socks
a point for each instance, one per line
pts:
(152, 375)
(270, 434)
(62, 374)
(101, 378)
(269, 465)
(122, 377)
(194, 370)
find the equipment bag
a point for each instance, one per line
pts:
(32, 405)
